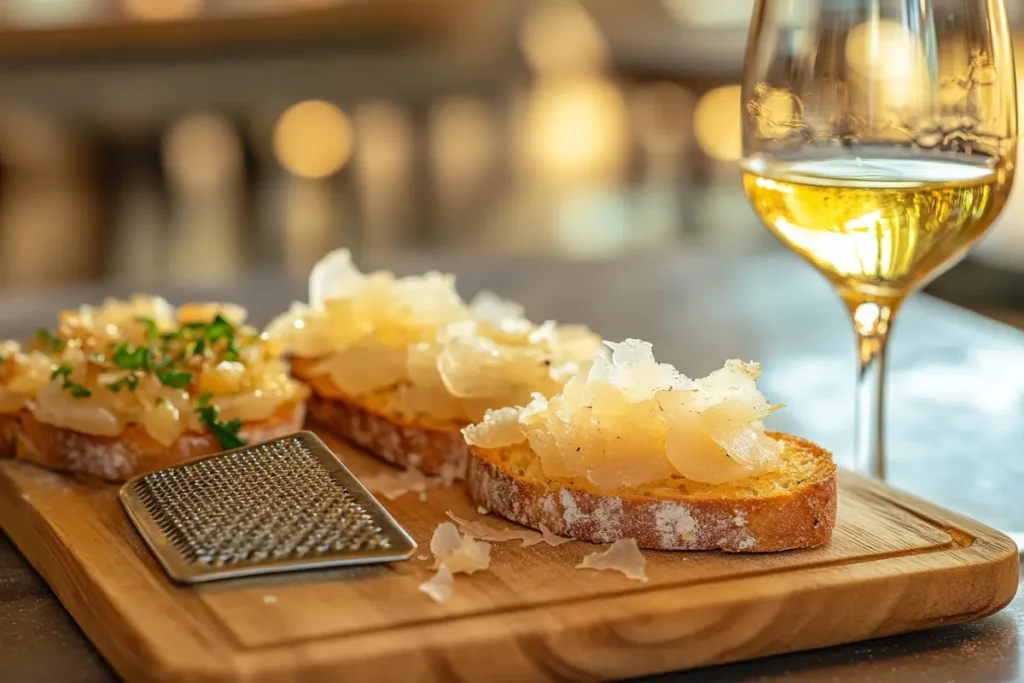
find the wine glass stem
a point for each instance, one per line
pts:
(871, 323)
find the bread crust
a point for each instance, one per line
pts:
(801, 517)
(431, 450)
(8, 435)
(133, 452)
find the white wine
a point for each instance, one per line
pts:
(877, 227)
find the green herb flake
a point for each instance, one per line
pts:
(226, 432)
(77, 390)
(152, 331)
(231, 353)
(44, 336)
(220, 328)
(62, 371)
(130, 382)
(177, 379)
(127, 358)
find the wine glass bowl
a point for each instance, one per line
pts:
(879, 143)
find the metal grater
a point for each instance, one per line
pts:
(284, 505)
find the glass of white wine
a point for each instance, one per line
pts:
(879, 143)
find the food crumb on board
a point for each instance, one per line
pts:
(487, 532)
(622, 556)
(393, 486)
(440, 586)
(454, 553)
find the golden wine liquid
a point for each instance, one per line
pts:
(878, 228)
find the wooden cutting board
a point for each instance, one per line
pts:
(896, 564)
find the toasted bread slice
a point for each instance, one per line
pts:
(8, 434)
(794, 507)
(133, 452)
(375, 424)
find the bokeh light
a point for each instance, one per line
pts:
(576, 128)
(385, 141)
(717, 123)
(313, 139)
(162, 10)
(885, 50)
(662, 115)
(560, 37)
(382, 167)
(48, 12)
(716, 13)
(202, 150)
(887, 66)
(463, 144)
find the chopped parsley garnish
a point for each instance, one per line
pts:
(231, 353)
(173, 357)
(130, 382)
(43, 336)
(226, 432)
(220, 328)
(152, 331)
(61, 371)
(127, 358)
(177, 379)
(77, 390)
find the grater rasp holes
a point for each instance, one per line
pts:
(267, 507)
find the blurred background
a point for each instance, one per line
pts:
(194, 140)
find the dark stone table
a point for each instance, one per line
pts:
(955, 421)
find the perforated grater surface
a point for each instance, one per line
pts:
(284, 505)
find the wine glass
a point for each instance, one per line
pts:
(879, 143)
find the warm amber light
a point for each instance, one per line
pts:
(885, 50)
(313, 139)
(385, 141)
(662, 116)
(717, 123)
(162, 10)
(559, 37)
(887, 65)
(576, 127)
(202, 151)
(717, 13)
(463, 141)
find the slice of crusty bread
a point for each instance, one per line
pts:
(8, 434)
(133, 452)
(375, 423)
(792, 508)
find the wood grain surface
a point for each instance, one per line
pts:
(896, 564)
